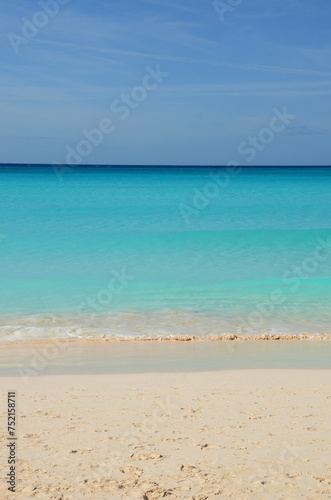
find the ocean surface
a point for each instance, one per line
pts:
(136, 252)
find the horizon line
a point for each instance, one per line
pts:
(127, 165)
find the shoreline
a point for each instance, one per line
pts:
(180, 338)
(101, 357)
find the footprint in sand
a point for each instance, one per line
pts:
(132, 471)
(147, 456)
(156, 493)
(204, 446)
(188, 468)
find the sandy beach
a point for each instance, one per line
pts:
(262, 434)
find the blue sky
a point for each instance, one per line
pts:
(224, 79)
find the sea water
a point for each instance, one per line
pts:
(135, 252)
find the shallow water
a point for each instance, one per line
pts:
(136, 252)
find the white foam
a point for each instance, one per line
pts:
(167, 323)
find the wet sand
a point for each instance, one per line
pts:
(28, 359)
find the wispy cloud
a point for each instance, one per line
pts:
(182, 6)
(299, 88)
(189, 60)
(304, 130)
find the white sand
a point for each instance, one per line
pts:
(260, 434)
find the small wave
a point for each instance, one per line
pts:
(164, 325)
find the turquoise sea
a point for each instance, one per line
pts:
(133, 252)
